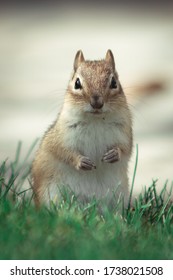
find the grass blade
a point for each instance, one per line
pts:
(133, 179)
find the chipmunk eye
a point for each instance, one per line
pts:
(113, 83)
(78, 84)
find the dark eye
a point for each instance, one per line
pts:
(77, 84)
(113, 83)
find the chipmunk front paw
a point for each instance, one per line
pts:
(84, 163)
(112, 155)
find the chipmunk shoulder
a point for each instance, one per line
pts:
(88, 147)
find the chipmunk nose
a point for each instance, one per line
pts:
(96, 101)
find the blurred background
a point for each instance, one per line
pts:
(38, 42)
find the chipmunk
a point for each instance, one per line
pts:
(89, 145)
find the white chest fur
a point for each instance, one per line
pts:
(93, 137)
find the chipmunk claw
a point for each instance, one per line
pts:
(112, 155)
(86, 164)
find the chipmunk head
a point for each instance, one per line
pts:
(95, 85)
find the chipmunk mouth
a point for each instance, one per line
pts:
(96, 112)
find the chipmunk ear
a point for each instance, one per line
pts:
(110, 58)
(79, 58)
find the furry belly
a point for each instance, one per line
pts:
(106, 182)
(107, 179)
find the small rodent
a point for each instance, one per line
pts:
(89, 145)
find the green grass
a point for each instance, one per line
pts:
(75, 231)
